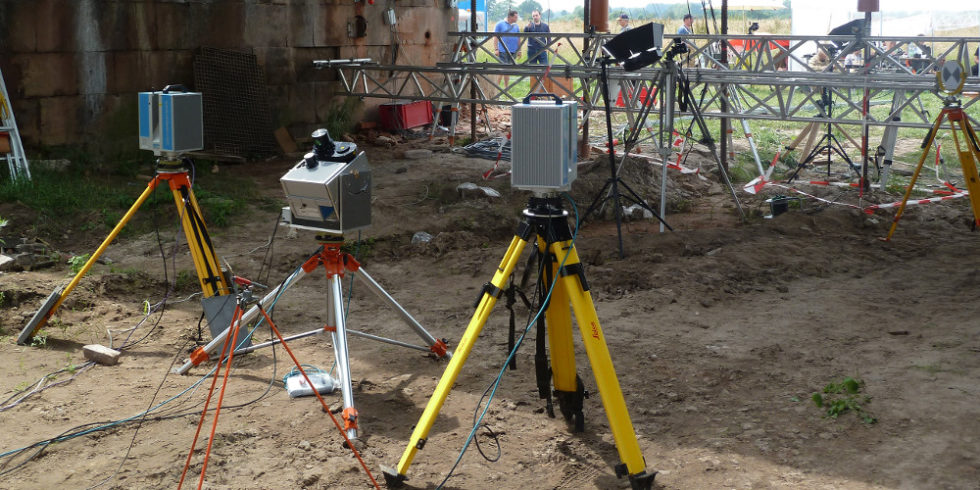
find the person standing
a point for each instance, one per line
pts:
(624, 22)
(537, 47)
(508, 47)
(975, 70)
(688, 27)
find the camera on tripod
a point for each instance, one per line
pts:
(676, 48)
(171, 121)
(329, 190)
(544, 141)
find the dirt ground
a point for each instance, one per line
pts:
(720, 333)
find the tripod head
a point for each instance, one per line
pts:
(172, 163)
(676, 47)
(545, 205)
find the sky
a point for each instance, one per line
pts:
(954, 5)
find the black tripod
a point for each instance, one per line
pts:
(671, 80)
(614, 182)
(828, 143)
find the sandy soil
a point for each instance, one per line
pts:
(720, 333)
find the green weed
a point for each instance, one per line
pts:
(840, 398)
(76, 262)
(70, 366)
(40, 339)
(340, 117)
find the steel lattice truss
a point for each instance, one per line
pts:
(768, 77)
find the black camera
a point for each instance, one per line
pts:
(676, 48)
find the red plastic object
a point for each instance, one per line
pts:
(644, 98)
(405, 115)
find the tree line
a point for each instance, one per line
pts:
(497, 10)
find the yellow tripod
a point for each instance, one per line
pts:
(213, 282)
(545, 219)
(969, 156)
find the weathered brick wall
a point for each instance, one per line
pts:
(73, 67)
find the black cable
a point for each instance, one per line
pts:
(269, 255)
(77, 430)
(170, 287)
(489, 148)
(112, 424)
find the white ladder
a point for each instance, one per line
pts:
(16, 159)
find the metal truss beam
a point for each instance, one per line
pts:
(771, 75)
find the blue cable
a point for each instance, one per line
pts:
(517, 345)
(161, 404)
(115, 423)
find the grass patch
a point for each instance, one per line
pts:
(80, 199)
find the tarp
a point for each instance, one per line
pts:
(896, 18)
(899, 18)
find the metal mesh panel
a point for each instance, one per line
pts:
(237, 116)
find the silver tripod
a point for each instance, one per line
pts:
(336, 263)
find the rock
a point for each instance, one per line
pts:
(309, 478)
(637, 212)
(418, 154)
(32, 248)
(101, 354)
(6, 262)
(421, 237)
(24, 260)
(471, 188)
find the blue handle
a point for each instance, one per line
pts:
(527, 100)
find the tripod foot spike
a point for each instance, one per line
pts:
(642, 481)
(440, 348)
(392, 478)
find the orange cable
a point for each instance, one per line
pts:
(221, 397)
(235, 316)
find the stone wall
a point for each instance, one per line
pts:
(73, 67)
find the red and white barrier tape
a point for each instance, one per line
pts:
(871, 209)
(500, 153)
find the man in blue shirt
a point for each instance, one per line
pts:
(688, 27)
(508, 47)
(624, 22)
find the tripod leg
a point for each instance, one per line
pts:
(209, 274)
(43, 314)
(915, 175)
(600, 198)
(335, 314)
(202, 353)
(437, 346)
(849, 138)
(708, 141)
(573, 281)
(491, 291)
(558, 316)
(326, 409)
(968, 159)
